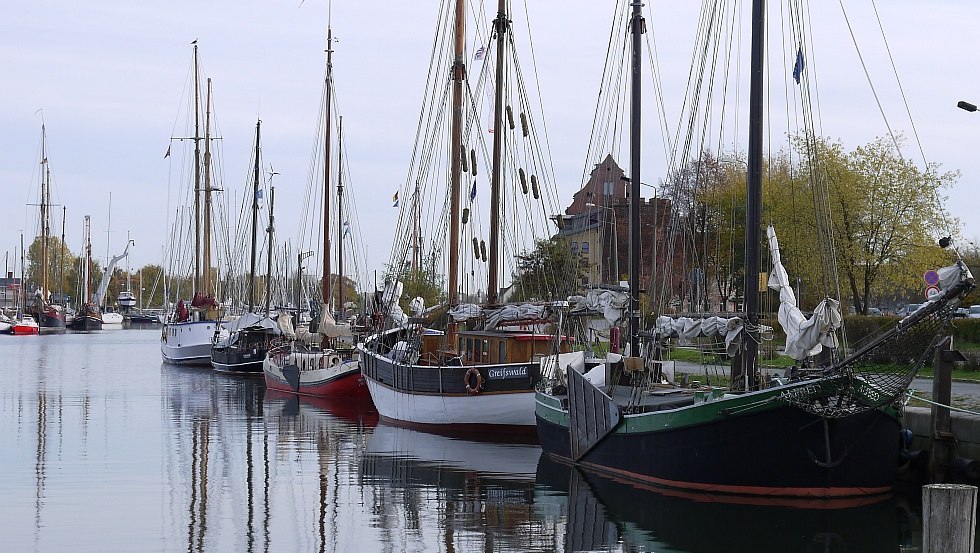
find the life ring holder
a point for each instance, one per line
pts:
(467, 379)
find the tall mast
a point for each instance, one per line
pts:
(328, 92)
(61, 253)
(637, 28)
(206, 238)
(340, 220)
(753, 208)
(129, 280)
(197, 175)
(455, 151)
(105, 297)
(45, 191)
(255, 218)
(86, 287)
(501, 25)
(268, 261)
(23, 299)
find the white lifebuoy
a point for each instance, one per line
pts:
(473, 389)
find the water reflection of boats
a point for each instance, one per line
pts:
(603, 512)
(216, 459)
(478, 495)
(359, 411)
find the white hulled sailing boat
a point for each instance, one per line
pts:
(190, 328)
(469, 364)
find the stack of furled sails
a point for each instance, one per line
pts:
(804, 336)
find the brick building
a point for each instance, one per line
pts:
(596, 226)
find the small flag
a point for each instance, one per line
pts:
(479, 53)
(166, 155)
(798, 67)
(346, 228)
(473, 192)
(394, 200)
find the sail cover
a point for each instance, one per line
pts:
(613, 304)
(804, 337)
(689, 328)
(329, 326)
(389, 302)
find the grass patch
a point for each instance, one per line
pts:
(693, 355)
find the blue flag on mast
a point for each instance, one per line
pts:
(798, 67)
(473, 192)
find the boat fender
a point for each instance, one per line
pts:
(471, 387)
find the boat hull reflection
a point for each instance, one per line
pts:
(604, 511)
(482, 492)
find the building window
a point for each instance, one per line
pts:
(608, 188)
(585, 247)
(574, 247)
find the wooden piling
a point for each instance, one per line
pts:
(943, 443)
(949, 516)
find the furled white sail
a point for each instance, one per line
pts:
(804, 337)
(329, 326)
(389, 301)
(688, 328)
(286, 326)
(613, 304)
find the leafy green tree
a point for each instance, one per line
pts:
(62, 266)
(708, 196)
(143, 280)
(883, 216)
(550, 271)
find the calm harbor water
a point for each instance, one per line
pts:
(105, 448)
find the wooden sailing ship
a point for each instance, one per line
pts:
(829, 429)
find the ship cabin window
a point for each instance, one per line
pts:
(485, 353)
(574, 248)
(502, 351)
(585, 247)
(468, 348)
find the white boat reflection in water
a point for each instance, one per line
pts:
(478, 494)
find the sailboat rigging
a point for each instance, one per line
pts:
(319, 360)
(88, 315)
(249, 336)
(829, 428)
(189, 329)
(465, 363)
(50, 316)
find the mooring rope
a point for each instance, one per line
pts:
(911, 395)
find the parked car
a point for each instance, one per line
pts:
(961, 312)
(874, 312)
(974, 312)
(909, 309)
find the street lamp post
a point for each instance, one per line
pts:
(615, 245)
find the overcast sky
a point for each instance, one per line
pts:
(108, 77)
